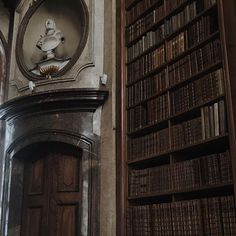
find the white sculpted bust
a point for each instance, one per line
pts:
(51, 40)
(48, 44)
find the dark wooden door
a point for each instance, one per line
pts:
(51, 195)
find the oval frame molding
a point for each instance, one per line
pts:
(20, 40)
(6, 51)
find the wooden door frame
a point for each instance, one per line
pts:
(90, 176)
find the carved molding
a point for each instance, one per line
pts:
(52, 101)
(20, 39)
(24, 87)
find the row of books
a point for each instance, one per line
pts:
(153, 37)
(213, 120)
(193, 94)
(192, 36)
(146, 88)
(211, 123)
(176, 46)
(195, 34)
(190, 65)
(200, 30)
(147, 22)
(208, 216)
(146, 64)
(152, 112)
(197, 92)
(206, 56)
(196, 62)
(149, 40)
(141, 6)
(181, 18)
(186, 133)
(148, 145)
(201, 172)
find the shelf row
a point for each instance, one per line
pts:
(198, 173)
(143, 39)
(167, 27)
(155, 114)
(182, 98)
(209, 122)
(205, 216)
(202, 55)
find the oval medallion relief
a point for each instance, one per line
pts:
(51, 38)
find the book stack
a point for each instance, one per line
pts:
(186, 175)
(185, 218)
(137, 118)
(179, 71)
(161, 219)
(176, 46)
(137, 10)
(213, 120)
(228, 215)
(205, 56)
(186, 133)
(152, 112)
(139, 26)
(149, 145)
(149, 40)
(157, 109)
(141, 220)
(198, 92)
(160, 179)
(196, 32)
(180, 19)
(196, 62)
(200, 30)
(147, 88)
(146, 64)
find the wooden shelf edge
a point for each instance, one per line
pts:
(193, 190)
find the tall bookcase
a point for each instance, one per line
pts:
(178, 137)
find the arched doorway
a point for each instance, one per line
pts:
(46, 191)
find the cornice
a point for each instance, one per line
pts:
(87, 100)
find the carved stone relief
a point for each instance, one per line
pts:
(75, 70)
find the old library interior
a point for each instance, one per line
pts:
(117, 117)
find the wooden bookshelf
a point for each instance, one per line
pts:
(178, 137)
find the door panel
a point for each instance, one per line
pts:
(51, 196)
(35, 201)
(34, 222)
(36, 177)
(67, 174)
(66, 221)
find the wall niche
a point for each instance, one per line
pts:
(68, 24)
